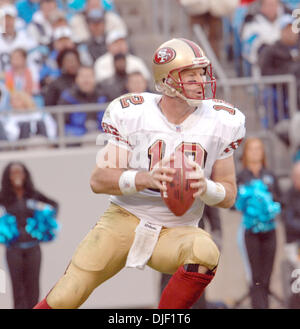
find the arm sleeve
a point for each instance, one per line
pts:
(236, 140)
(115, 127)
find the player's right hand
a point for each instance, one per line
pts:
(159, 175)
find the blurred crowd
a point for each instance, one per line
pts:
(56, 52)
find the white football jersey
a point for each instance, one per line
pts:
(135, 122)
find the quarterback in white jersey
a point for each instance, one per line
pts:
(136, 123)
(143, 131)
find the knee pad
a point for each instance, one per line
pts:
(206, 252)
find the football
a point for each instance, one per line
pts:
(179, 194)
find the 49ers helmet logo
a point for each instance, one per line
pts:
(164, 55)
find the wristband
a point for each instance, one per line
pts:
(214, 194)
(127, 182)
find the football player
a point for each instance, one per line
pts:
(138, 229)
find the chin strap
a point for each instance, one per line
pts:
(171, 92)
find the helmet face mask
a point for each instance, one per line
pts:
(207, 86)
(176, 56)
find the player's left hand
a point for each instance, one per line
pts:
(197, 174)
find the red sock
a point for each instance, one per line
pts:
(42, 305)
(184, 289)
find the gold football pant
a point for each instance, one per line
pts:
(104, 250)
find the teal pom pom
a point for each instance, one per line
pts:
(256, 203)
(43, 226)
(8, 229)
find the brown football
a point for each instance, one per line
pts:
(179, 194)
